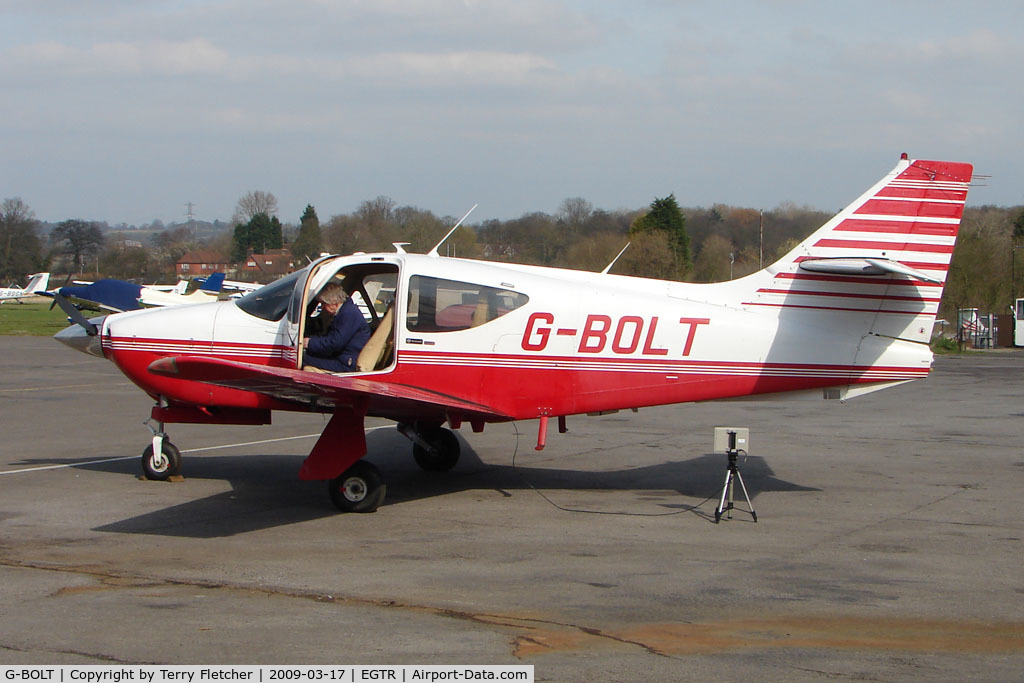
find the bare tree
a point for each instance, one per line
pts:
(575, 211)
(14, 210)
(377, 211)
(253, 203)
(78, 239)
(19, 243)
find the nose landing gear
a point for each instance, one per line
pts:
(360, 488)
(161, 460)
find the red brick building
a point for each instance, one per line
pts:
(200, 263)
(268, 266)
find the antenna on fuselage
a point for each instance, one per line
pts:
(433, 252)
(609, 266)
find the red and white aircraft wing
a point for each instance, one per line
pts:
(325, 391)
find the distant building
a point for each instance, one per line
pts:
(497, 251)
(267, 266)
(200, 263)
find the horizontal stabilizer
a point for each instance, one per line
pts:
(864, 266)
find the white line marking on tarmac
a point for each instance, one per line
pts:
(191, 450)
(64, 386)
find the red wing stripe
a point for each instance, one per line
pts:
(886, 246)
(922, 192)
(839, 308)
(852, 295)
(900, 207)
(900, 227)
(921, 265)
(884, 282)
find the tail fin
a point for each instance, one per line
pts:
(37, 283)
(213, 283)
(885, 256)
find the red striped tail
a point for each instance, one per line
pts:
(883, 260)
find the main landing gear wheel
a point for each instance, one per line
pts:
(443, 453)
(163, 465)
(360, 488)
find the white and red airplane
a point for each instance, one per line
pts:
(36, 286)
(847, 312)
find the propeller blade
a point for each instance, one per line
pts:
(74, 314)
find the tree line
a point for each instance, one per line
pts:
(703, 244)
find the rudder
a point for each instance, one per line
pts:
(880, 264)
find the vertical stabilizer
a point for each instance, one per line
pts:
(213, 283)
(879, 266)
(37, 283)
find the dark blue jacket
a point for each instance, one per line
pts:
(337, 349)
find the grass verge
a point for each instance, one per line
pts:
(32, 317)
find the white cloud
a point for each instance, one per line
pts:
(155, 58)
(453, 68)
(200, 57)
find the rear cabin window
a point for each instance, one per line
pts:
(437, 305)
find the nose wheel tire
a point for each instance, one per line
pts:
(360, 488)
(163, 465)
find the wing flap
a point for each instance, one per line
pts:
(319, 389)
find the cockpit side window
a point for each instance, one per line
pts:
(438, 305)
(270, 302)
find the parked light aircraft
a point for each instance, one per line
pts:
(117, 296)
(36, 286)
(846, 312)
(232, 286)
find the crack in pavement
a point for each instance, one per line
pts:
(111, 580)
(89, 655)
(534, 635)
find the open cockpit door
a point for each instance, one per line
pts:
(372, 284)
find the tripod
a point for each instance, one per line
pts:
(732, 473)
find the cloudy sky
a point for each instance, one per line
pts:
(124, 110)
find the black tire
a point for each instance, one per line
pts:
(447, 450)
(161, 468)
(360, 488)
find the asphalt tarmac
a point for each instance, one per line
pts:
(888, 542)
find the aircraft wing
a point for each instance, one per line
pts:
(106, 296)
(321, 390)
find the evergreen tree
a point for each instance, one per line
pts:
(1018, 226)
(261, 233)
(666, 217)
(307, 244)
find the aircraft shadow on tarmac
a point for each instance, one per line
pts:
(267, 493)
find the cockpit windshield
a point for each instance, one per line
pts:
(271, 302)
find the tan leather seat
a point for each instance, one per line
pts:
(376, 349)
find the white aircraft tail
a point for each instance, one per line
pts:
(37, 283)
(878, 267)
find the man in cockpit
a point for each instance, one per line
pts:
(337, 349)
